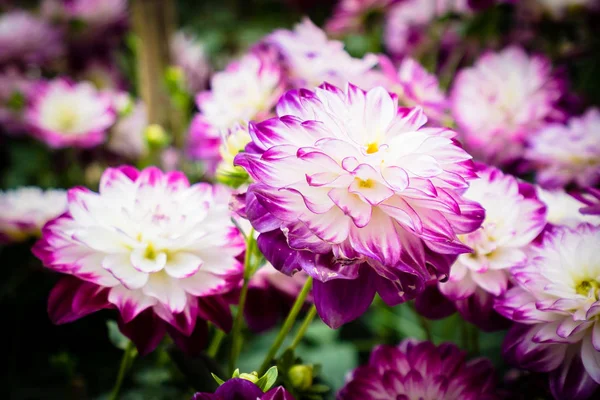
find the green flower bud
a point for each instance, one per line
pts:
(301, 376)
(252, 377)
(155, 136)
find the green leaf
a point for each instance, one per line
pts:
(268, 379)
(219, 380)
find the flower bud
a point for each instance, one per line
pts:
(155, 136)
(252, 377)
(301, 376)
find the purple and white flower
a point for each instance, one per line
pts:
(358, 194)
(501, 100)
(189, 55)
(24, 211)
(242, 389)
(556, 305)
(416, 87)
(246, 90)
(568, 153)
(514, 217)
(63, 114)
(421, 370)
(25, 38)
(591, 198)
(564, 209)
(311, 58)
(151, 245)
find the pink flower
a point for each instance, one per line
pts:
(189, 55)
(421, 370)
(246, 90)
(416, 87)
(24, 211)
(358, 194)
(25, 38)
(569, 153)
(351, 15)
(503, 99)
(514, 217)
(591, 198)
(556, 305)
(311, 58)
(64, 114)
(150, 245)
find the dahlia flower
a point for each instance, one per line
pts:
(231, 145)
(127, 135)
(242, 389)
(189, 55)
(312, 59)
(407, 22)
(358, 194)
(568, 153)
(416, 87)
(503, 99)
(555, 303)
(64, 114)
(246, 90)
(25, 38)
(24, 211)
(564, 209)
(14, 92)
(420, 370)
(352, 15)
(149, 245)
(591, 198)
(513, 218)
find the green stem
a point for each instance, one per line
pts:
(215, 344)
(426, 327)
(474, 339)
(305, 324)
(236, 340)
(126, 361)
(287, 326)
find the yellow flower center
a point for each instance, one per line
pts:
(366, 184)
(372, 148)
(588, 288)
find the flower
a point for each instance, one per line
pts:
(63, 114)
(24, 211)
(25, 38)
(568, 153)
(352, 15)
(416, 87)
(514, 217)
(246, 90)
(97, 16)
(564, 209)
(15, 89)
(189, 55)
(407, 23)
(591, 198)
(151, 245)
(358, 194)
(501, 100)
(420, 370)
(242, 389)
(311, 58)
(127, 135)
(555, 304)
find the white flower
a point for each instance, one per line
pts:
(563, 209)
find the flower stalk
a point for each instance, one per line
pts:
(305, 324)
(126, 361)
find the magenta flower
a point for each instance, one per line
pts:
(351, 15)
(569, 153)
(416, 87)
(189, 55)
(24, 211)
(150, 245)
(63, 114)
(591, 198)
(514, 217)
(25, 38)
(556, 306)
(358, 194)
(500, 101)
(242, 389)
(311, 58)
(421, 370)
(246, 90)
(565, 209)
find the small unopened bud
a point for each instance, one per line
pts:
(252, 377)
(155, 136)
(301, 376)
